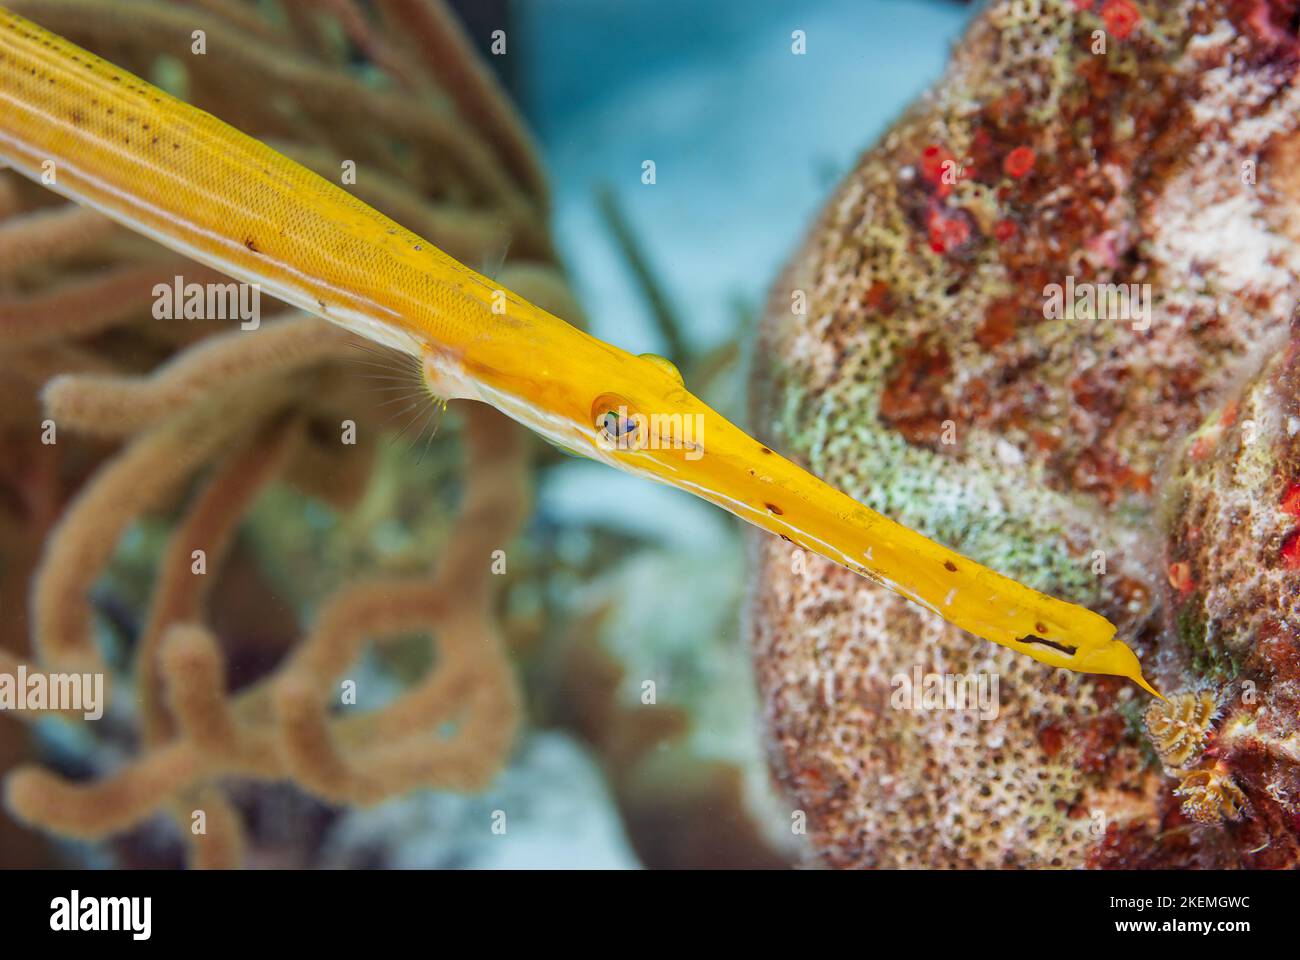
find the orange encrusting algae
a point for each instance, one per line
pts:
(105, 138)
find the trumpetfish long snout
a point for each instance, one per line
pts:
(200, 187)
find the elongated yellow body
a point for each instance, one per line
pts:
(110, 140)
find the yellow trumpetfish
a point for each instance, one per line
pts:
(112, 141)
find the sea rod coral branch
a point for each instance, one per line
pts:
(356, 759)
(121, 406)
(147, 472)
(209, 528)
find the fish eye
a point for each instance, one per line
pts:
(616, 422)
(616, 426)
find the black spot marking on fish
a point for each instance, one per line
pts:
(950, 566)
(1065, 648)
(764, 450)
(785, 538)
(773, 508)
(1040, 627)
(252, 245)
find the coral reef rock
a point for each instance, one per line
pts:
(1034, 322)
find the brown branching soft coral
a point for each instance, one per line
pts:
(110, 418)
(196, 733)
(48, 235)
